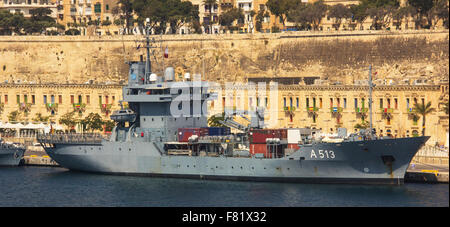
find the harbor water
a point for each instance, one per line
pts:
(58, 187)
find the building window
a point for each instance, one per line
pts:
(381, 103)
(407, 103)
(72, 99)
(388, 103)
(33, 99)
(320, 102)
(88, 99)
(356, 103)
(18, 99)
(52, 98)
(267, 102)
(307, 102)
(331, 102)
(80, 99)
(25, 98)
(60, 99)
(284, 101)
(98, 8)
(396, 103)
(297, 100)
(345, 102)
(100, 99)
(314, 102)
(290, 102)
(45, 99)
(6, 99)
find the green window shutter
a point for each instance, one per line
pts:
(98, 8)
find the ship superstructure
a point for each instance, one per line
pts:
(164, 132)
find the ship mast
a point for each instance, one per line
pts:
(147, 61)
(370, 101)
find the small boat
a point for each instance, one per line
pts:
(123, 115)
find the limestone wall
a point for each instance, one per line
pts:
(342, 56)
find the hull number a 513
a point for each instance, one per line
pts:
(321, 154)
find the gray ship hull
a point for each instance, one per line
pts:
(11, 156)
(363, 162)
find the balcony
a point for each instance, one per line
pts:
(25, 107)
(79, 107)
(105, 108)
(51, 107)
(361, 110)
(312, 109)
(387, 110)
(336, 109)
(289, 109)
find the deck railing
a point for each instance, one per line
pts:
(73, 138)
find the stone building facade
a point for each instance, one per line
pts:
(55, 100)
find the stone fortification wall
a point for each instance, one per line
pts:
(342, 56)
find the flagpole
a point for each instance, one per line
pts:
(370, 99)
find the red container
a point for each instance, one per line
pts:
(185, 133)
(293, 146)
(258, 148)
(260, 135)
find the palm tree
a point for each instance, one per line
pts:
(423, 110)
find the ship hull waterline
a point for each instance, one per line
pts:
(360, 162)
(11, 157)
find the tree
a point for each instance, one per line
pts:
(11, 22)
(400, 14)
(14, 116)
(227, 18)
(359, 14)
(439, 11)
(163, 12)
(280, 8)
(39, 21)
(339, 12)
(422, 7)
(423, 109)
(181, 13)
(68, 120)
(308, 15)
(380, 11)
(40, 118)
(124, 9)
(94, 122)
(109, 125)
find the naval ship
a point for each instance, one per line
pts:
(10, 153)
(149, 140)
